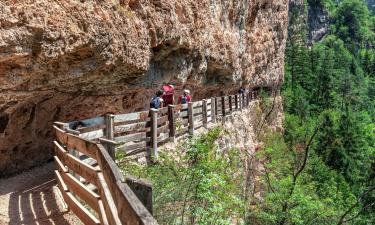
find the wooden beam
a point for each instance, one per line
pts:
(230, 103)
(142, 189)
(191, 118)
(75, 186)
(84, 170)
(154, 134)
(102, 214)
(129, 207)
(80, 211)
(109, 133)
(172, 122)
(108, 200)
(60, 181)
(204, 109)
(213, 110)
(223, 107)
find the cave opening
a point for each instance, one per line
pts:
(4, 120)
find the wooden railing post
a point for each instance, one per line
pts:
(243, 100)
(216, 109)
(204, 112)
(223, 106)
(247, 98)
(213, 110)
(191, 118)
(230, 103)
(172, 122)
(154, 134)
(109, 134)
(236, 102)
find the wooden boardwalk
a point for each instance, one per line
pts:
(93, 186)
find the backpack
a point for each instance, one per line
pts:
(155, 103)
(184, 100)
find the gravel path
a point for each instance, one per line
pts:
(33, 198)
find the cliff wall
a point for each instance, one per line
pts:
(68, 60)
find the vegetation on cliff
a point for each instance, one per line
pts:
(321, 171)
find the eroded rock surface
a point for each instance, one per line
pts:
(68, 60)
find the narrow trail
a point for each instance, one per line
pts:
(32, 198)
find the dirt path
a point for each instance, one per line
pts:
(32, 198)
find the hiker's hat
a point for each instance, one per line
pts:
(186, 91)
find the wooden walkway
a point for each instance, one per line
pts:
(91, 183)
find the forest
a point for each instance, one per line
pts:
(321, 169)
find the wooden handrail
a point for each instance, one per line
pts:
(111, 197)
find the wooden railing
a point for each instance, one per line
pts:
(92, 185)
(88, 177)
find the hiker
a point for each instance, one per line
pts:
(157, 101)
(185, 98)
(168, 94)
(242, 91)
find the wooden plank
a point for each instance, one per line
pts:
(130, 127)
(59, 165)
(61, 135)
(132, 122)
(102, 215)
(142, 189)
(197, 104)
(131, 147)
(198, 124)
(131, 116)
(198, 111)
(92, 128)
(191, 118)
(84, 170)
(136, 151)
(163, 129)
(154, 135)
(80, 211)
(213, 110)
(171, 121)
(162, 120)
(204, 113)
(75, 186)
(183, 114)
(108, 201)
(163, 111)
(108, 142)
(131, 137)
(198, 118)
(60, 181)
(59, 150)
(92, 134)
(130, 209)
(84, 146)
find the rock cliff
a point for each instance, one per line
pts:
(68, 60)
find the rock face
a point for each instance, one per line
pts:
(68, 60)
(315, 17)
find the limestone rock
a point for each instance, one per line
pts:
(68, 60)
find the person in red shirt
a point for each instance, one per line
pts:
(168, 94)
(185, 98)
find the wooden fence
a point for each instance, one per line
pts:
(92, 185)
(90, 181)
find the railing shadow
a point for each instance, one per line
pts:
(33, 202)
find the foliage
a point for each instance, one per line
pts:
(329, 85)
(203, 187)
